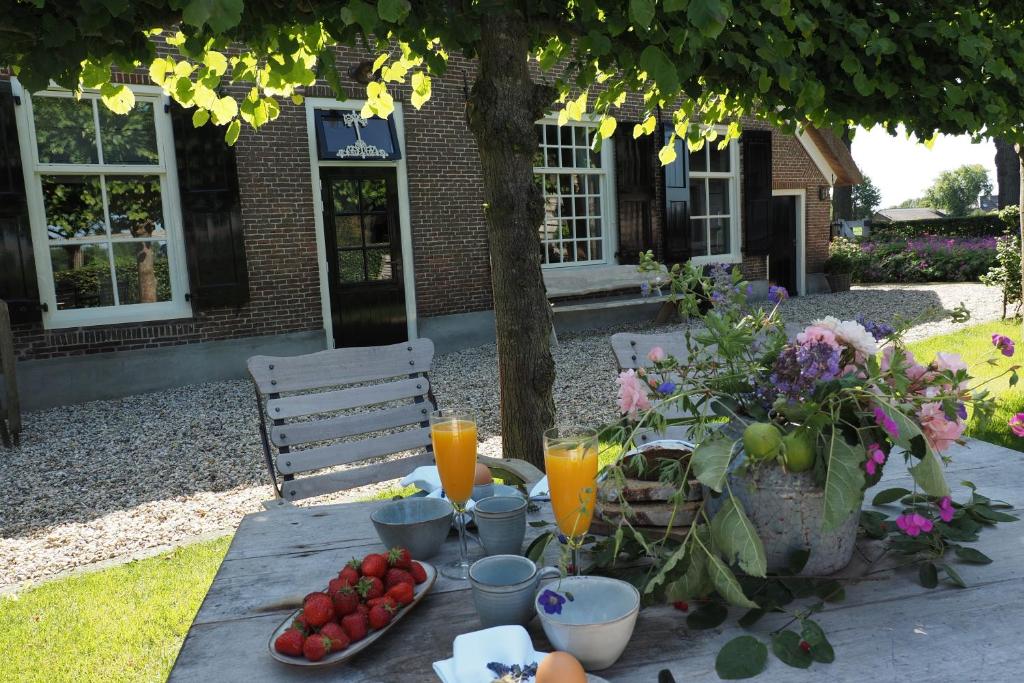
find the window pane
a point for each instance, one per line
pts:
(698, 204)
(595, 250)
(74, 207)
(346, 196)
(378, 264)
(347, 230)
(141, 272)
(719, 159)
(719, 235)
(698, 236)
(129, 138)
(81, 276)
(134, 206)
(581, 228)
(699, 160)
(377, 229)
(579, 136)
(375, 195)
(65, 130)
(567, 157)
(552, 158)
(350, 265)
(582, 158)
(718, 197)
(594, 206)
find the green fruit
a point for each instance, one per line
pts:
(762, 441)
(794, 412)
(799, 453)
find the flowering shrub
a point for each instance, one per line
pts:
(925, 259)
(1005, 273)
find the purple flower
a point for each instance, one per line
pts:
(877, 330)
(946, 509)
(1004, 344)
(551, 601)
(666, 387)
(645, 289)
(887, 424)
(961, 411)
(1017, 424)
(912, 525)
(800, 366)
(777, 294)
(876, 458)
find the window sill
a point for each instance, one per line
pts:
(720, 258)
(138, 313)
(593, 279)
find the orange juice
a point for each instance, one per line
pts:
(572, 477)
(455, 454)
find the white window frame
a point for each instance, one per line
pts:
(166, 171)
(735, 253)
(606, 180)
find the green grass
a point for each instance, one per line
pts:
(974, 344)
(119, 624)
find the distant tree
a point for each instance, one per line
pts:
(912, 203)
(866, 199)
(957, 191)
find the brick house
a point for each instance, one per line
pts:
(137, 252)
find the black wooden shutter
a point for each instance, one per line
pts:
(677, 204)
(18, 285)
(634, 175)
(211, 213)
(757, 192)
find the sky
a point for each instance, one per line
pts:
(904, 169)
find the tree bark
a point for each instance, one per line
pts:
(842, 196)
(1008, 175)
(503, 107)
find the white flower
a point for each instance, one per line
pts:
(850, 333)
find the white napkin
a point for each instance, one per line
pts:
(425, 478)
(541, 490)
(472, 652)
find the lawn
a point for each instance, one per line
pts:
(974, 344)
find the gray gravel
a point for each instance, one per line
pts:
(116, 478)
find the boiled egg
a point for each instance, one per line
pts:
(482, 475)
(560, 667)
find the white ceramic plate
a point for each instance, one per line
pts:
(355, 648)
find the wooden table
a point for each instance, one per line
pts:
(888, 629)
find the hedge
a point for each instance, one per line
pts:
(989, 225)
(925, 259)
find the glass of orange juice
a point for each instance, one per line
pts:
(570, 458)
(453, 434)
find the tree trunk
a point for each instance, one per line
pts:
(503, 107)
(1008, 175)
(842, 196)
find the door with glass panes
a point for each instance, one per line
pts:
(364, 255)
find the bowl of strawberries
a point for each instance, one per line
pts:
(366, 598)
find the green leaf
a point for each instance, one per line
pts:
(726, 585)
(221, 15)
(231, 134)
(863, 84)
(736, 538)
(641, 12)
(216, 62)
(953, 575)
(742, 657)
(889, 496)
(200, 117)
(393, 10)
(786, 646)
(989, 515)
(118, 97)
(821, 649)
(844, 480)
(709, 16)
(607, 127)
(657, 64)
(750, 618)
(928, 575)
(798, 560)
(537, 546)
(872, 522)
(928, 475)
(224, 109)
(711, 461)
(708, 615)
(694, 583)
(972, 555)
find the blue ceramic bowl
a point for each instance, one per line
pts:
(418, 524)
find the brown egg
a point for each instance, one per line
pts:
(482, 476)
(560, 667)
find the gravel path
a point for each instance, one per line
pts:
(115, 478)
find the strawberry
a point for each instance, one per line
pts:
(290, 642)
(339, 641)
(350, 572)
(419, 574)
(299, 624)
(374, 564)
(334, 584)
(316, 647)
(370, 587)
(354, 626)
(318, 609)
(399, 557)
(346, 599)
(380, 616)
(402, 593)
(397, 576)
(363, 609)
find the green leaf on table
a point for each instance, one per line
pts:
(873, 523)
(539, 523)
(750, 618)
(786, 646)
(695, 581)
(726, 585)
(708, 615)
(972, 555)
(821, 649)
(798, 560)
(953, 575)
(742, 657)
(537, 546)
(844, 480)
(711, 460)
(987, 514)
(928, 475)
(928, 575)
(830, 590)
(736, 538)
(889, 496)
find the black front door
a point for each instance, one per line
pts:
(782, 252)
(364, 255)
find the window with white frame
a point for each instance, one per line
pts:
(575, 183)
(105, 229)
(714, 201)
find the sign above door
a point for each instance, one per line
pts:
(347, 135)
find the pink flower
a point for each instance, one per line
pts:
(876, 458)
(1004, 344)
(656, 354)
(946, 509)
(887, 424)
(632, 394)
(914, 370)
(1017, 424)
(814, 333)
(913, 524)
(940, 431)
(949, 361)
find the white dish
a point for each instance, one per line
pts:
(355, 648)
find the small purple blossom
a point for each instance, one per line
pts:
(913, 524)
(961, 411)
(551, 601)
(1017, 424)
(666, 387)
(876, 458)
(800, 366)
(645, 289)
(946, 509)
(777, 294)
(877, 330)
(1004, 344)
(887, 424)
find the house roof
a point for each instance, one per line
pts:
(831, 155)
(914, 214)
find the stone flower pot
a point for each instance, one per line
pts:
(839, 282)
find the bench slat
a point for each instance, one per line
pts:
(354, 451)
(349, 425)
(343, 399)
(336, 481)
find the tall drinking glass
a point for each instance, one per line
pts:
(453, 434)
(570, 458)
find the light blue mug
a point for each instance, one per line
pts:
(501, 524)
(504, 587)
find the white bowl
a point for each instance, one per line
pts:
(596, 625)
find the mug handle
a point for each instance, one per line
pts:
(548, 573)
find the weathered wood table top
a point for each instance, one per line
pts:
(888, 628)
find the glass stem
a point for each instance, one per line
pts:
(463, 549)
(575, 555)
